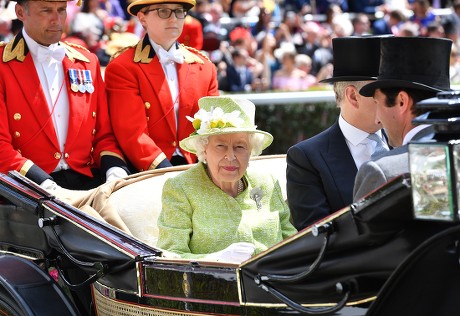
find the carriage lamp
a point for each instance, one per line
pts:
(435, 164)
(435, 170)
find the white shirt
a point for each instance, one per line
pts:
(412, 133)
(170, 71)
(51, 75)
(361, 148)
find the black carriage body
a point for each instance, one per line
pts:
(337, 266)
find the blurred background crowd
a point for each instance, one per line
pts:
(261, 45)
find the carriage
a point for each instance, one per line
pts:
(94, 253)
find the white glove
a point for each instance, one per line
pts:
(49, 185)
(235, 253)
(61, 193)
(115, 173)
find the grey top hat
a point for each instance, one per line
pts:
(356, 58)
(413, 63)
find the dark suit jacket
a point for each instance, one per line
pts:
(234, 80)
(320, 176)
(375, 173)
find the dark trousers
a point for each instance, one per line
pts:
(73, 180)
(177, 160)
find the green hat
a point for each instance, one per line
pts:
(223, 115)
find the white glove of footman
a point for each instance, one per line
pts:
(50, 186)
(59, 192)
(115, 173)
(235, 253)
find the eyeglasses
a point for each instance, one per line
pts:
(165, 13)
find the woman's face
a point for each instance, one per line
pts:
(227, 157)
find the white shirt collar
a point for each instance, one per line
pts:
(353, 134)
(412, 133)
(157, 47)
(33, 45)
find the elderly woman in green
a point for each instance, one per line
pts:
(219, 209)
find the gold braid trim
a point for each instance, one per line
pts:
(109, 153)
(26, 167)
(142, 55)
(16, 52)
(120, 51)
(72, 53)
(76, 45)
(192, 57)
(157, 161)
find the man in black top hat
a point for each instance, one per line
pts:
(411, 69)
(321, 170)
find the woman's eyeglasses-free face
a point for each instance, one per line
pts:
(165, 13)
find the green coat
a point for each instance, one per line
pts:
(199, 218)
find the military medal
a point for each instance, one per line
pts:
(88, 81)
(73, 80)
(81, 83)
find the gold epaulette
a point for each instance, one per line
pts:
(2, 43)
(192, 57)
(121, 51)
(72, 53)
(76, 45)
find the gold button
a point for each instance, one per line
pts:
(66, 155)
(94, 114)
(17, 116)
(88, 163)
(17, 134)
(174, 144)
(94, 132)
(148, 118)
(147, 105)
(19, 151)
(92, 149)
(57, 155)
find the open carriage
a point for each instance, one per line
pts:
(372, 258)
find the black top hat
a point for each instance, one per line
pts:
(355, 58)
(413, 63)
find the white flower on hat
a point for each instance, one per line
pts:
(205, 122)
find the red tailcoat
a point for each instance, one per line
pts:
(141, 106)
(27, 134)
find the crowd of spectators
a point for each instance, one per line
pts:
(260, 45)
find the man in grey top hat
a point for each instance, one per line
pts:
(411, 69)
(321, 170)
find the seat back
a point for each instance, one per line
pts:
(139, 204)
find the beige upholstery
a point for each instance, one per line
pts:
(139, 204)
